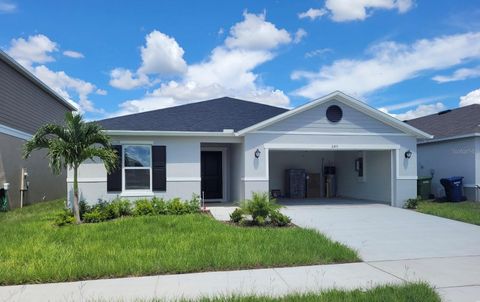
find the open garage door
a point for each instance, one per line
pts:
(331, 175)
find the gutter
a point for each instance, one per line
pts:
(438, 140)
(225, 133)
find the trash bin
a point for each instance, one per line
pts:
(3, 200)
(453, 188)
(424, 187)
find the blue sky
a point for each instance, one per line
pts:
(407, 57)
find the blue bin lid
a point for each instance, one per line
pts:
(455, 178)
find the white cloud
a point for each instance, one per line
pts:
(317, 52)
(101, 91)
(459, 75)
(162, 55)
(299, 35)
(420, 111)
(254, 33)
(65, 85)
(389, 63)
(124, 79)
(412, 103)
(350, 10)
(7, 7)
(473, 97)
(173, 94)
(33, 52)
(312, 13)
(228, 71)
(73, 54)
(34, 49)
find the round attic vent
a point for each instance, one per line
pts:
(334, 113)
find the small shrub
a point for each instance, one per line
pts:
(237, 215)
(261, 205)
(259, 220)
(159, 206)
(411, 203)
(117, 208)
(279, 219)
(95, 215)
(143, 207)
(193, 204)
(83, 208)
(64, 217)
(176, 207)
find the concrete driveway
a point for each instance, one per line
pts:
(406, 244)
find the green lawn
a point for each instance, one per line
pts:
(413, 292)
(33, 250)
(466, 211)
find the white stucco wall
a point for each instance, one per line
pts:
(237, 172)
(256, 172)
(376, 185)
(183, 168)
(460, 157)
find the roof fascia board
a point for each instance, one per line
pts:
(167, 133)
(350, 101)
(22, 70)
(443, 139)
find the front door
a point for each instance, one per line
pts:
(212, 182)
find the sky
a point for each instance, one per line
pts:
(407, 58)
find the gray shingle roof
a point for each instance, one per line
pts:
(207, 116)
(459, 121)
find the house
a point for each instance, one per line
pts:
(26, 104)
(454, 150)
(225, 149)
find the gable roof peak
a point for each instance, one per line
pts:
(350, 101)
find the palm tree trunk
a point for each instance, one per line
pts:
(76, 208)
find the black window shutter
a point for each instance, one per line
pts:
(114, 179)
(159, 168)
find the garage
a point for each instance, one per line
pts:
(362, 175)
(334, 148)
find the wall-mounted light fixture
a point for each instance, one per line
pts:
(408, 154)
(257, 153)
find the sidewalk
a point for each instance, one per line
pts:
(457, 279)
(275, 281)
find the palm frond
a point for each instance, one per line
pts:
(108, 156)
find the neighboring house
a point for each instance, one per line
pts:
(26, 104)
(454, 150)
(228, 148)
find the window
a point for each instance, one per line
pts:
(137, 166)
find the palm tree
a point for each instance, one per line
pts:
(71, 144)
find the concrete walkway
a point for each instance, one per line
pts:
(275, 282)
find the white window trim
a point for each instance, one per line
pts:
(136, 192)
